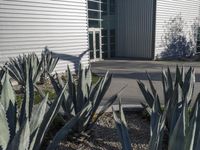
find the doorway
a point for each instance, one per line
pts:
(95, 44)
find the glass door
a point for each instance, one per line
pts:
(95, 44)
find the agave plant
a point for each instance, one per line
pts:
(181, 120)
(81, 94)
(184, 82)
(24, 127)
(17, 68)
(49, 63)
(41, 67)
(122, 128)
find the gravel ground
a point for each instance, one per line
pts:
(104, 136)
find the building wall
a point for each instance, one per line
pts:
(135, 28)
(30, 25)
(166, 9)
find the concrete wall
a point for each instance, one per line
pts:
(135, 28)
(166, 9)
(30, 25)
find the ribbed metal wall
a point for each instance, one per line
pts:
(166, 9)
(135, 28)
(30, 25)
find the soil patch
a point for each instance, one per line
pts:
(105, 137)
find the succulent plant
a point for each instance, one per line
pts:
(80, 95)
(41, 67)
(24, 127)
(49, 63)
(17, 67)
(122, 128)
(179, 118)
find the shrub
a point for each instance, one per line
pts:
(177, 42)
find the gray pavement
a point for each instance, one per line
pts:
(127, 72)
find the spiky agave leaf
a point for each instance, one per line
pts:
(188, 85)
(157, 125)
(147, 95)
(2, 71)
(22, 138)
(49, 62)
(4, 129)
(195, 127)
(36, 120)
(82, 94)
(122, 128)
(58, 85)
(174, 108)
(17, 67)
(7, 100)
(192, 129)
(66, 130)
(178, 136)
(48, 118)
(27, 105)
(167, 85)
(107, 105)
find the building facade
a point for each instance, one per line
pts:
(89, 30)
(29, 25)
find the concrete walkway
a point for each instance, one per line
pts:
(127, 72)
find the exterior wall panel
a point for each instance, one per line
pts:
(166, 9)
(30, 25)
(135, 28)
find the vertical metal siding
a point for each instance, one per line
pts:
(189, 9)
(135, 28)
(30, 25)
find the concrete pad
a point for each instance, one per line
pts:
(127, 72)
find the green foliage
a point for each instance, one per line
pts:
(179, 118)
(82, 94)
(40, 67)
(121, 126)
(49, 62)
(24, 127)
(17, 68)
(177, 42)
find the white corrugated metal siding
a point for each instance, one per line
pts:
(135, 28)
(30, 25)
(166, 9)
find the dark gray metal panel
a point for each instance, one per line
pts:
(30, 25)
(166, 9)
(135, 28)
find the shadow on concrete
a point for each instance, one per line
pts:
(155, 76)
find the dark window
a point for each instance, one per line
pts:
(112, 39)
(94, 23)
(104, 40)
(105, 47)
(97, 41)
(104, 9)
(93, 5)
(104, 32)
(112, 7)
(94, 14)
